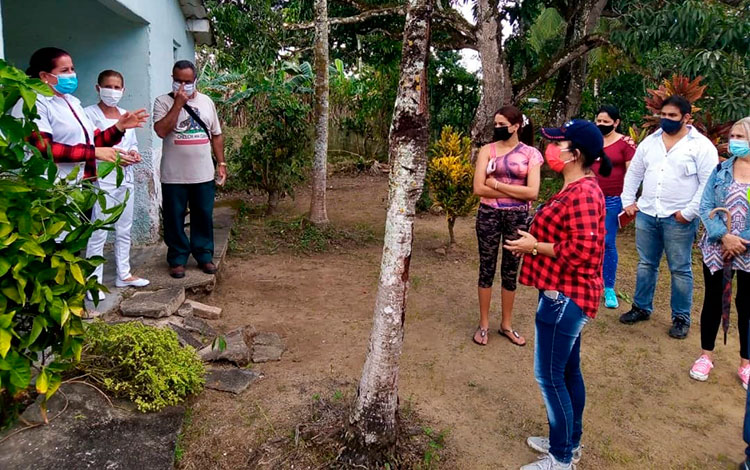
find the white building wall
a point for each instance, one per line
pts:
(140, 38)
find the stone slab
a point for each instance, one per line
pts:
(237, 350)
(90, 434)
(231, 380)
(267, 347)
(185, 310)
(149, 261)
(201, 310)
(198, 325)
(185, 337)
(154, 304)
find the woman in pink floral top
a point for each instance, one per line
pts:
(507, 180)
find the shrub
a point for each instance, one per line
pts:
(275, 157)
(450, 176)
(144, 364)
(42, 282)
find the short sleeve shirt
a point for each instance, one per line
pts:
(620, 153)
(186, 150)
(512, 168)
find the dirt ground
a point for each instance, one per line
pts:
(643, 411)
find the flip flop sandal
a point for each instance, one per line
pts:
(482, 335)
(515, 334)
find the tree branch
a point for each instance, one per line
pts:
(547, 70)
(364, 16)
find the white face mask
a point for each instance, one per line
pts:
(110, 96)
(188, 88)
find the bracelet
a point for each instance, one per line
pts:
(496, 185)
(222, 163)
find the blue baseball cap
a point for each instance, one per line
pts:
(584, 134)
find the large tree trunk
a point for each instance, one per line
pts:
(496, 84)
(374, 416)
(318, 212)
(571, 79)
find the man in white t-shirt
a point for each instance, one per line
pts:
(187, 169)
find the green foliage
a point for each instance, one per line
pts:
(454, 93)
(450, 176)
(144, 364)
(275, 156)
(692, 38)
(43, 229)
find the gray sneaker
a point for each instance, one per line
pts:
(547, 462)
(541, 444)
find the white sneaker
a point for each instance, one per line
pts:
(137, 282)
(547, 462)
(91, 297)
(541, 444)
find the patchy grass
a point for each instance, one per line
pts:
(254, 234)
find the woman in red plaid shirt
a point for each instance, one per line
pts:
(563, 253)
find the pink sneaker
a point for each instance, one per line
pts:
(702, 367)
(744, 373)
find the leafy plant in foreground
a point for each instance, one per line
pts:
(43, 229)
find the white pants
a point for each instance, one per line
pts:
(96, 243)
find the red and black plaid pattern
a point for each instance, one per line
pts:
(63, 153)
(573, 220)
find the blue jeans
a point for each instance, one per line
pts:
(557, 368)
(653, 237)
(609, 270)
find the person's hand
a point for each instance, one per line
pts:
(522, 245)
(135, 156)
(222, 171)
(181, 98)
(492, 183)
(732, 245)
(132, 119)
(678, 216)
(106, 154)
(631, 209)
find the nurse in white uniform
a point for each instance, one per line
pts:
(103, 115)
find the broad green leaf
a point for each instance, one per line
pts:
(4, 266)
(54, 382)
(42, 382)
(105, 168)
(75, 270)
(12, 293)
(8, 186)
(31, 247)
(36, 329)
(5, 338)
(60, 277)
(20, 370)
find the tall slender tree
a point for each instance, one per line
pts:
(318, 210)
(374, 417)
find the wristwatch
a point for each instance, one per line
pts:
(534, 251)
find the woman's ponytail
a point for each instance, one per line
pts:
(605, 165)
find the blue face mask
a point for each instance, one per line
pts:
(670, 127)
(739, 148)
(67, 83)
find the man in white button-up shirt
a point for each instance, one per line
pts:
(673, 164)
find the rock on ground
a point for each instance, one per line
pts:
(267, 347)
(237, 350)
(156, 304)
(91, 434)
(201, 310)
(231, 380)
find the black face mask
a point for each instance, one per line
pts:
(605, 130)
(501, 133)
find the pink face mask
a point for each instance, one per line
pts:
(552, 155)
